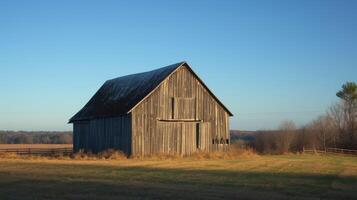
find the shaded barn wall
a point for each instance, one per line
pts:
(103, 133)
(181, 96)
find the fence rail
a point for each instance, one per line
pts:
(38, 151)
(332, 151)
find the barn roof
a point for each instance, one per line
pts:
(120, 95)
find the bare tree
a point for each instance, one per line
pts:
(323, 132)
(65, 138)
(285, 136)
(337, 128)
(300, 140)
(337, 114)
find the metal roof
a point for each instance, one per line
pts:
(120, 95)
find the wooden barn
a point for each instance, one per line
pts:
(167, 110)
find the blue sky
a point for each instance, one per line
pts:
(266, 60)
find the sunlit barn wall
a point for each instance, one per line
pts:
(180, 116)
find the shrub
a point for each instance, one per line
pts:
(111, 154)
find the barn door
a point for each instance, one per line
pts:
(203, 136)
(177, 137)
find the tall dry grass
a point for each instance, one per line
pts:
(235, 151)
(109, 154)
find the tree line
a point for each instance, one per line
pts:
(335, 129)
(39, 137)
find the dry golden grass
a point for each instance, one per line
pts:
(109, 154)
(118, 155)
(212, 177)
(230, 175)
(234, 153)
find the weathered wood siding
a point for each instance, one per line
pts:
(179, 116)
(103, 133)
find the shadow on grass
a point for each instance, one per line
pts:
(64, 181)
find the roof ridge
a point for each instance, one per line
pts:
(119, 95)
(150, 71)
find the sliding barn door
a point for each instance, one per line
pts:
(177, 137)
(204, 136)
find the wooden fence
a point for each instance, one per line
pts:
(38, 151)
(332, 151)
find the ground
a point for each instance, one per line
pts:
(250, 177)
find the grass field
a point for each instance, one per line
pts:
(44, 146)
(256, 177)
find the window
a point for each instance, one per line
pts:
(222, 141)
(172, 108)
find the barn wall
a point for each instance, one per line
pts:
(80, 133)
(180, 96)
(103, 133)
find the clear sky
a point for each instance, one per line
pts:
(266, 60)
